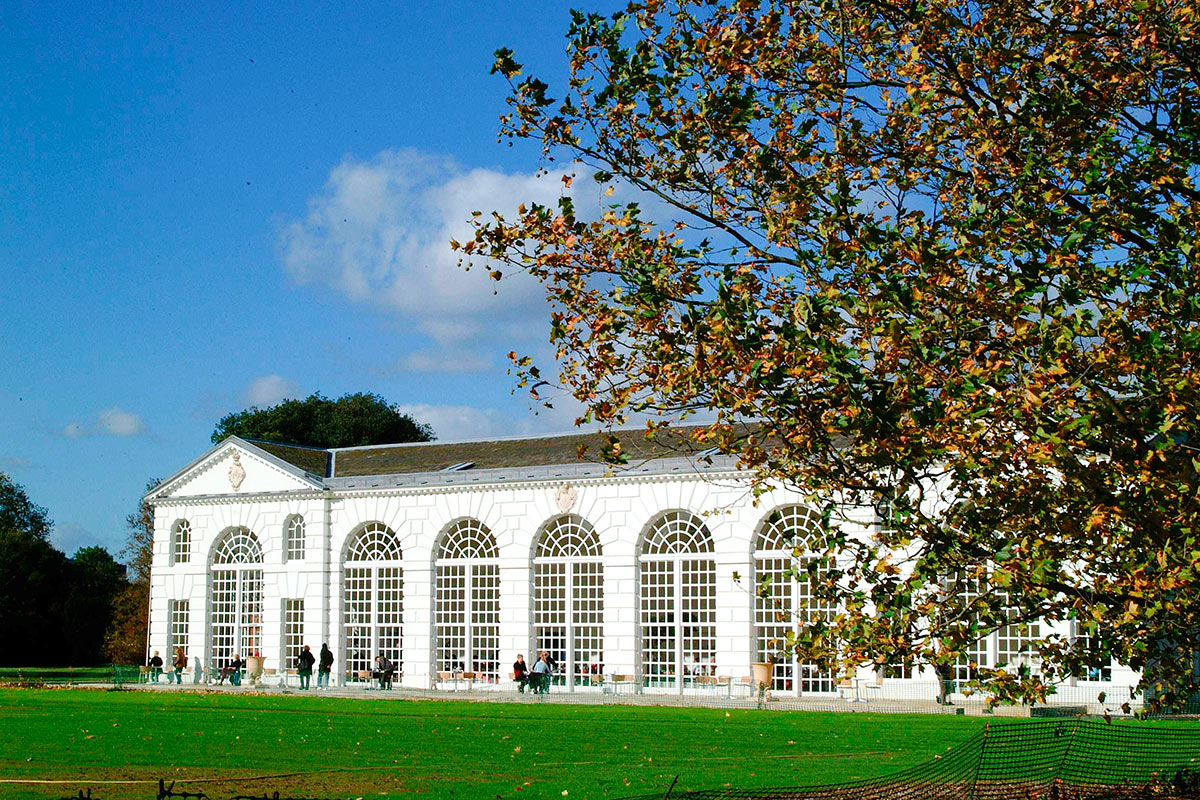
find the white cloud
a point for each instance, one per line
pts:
(379, 233)
(268, 390)
(437, 361)
(116, 422)
(452, 423)
(111, 422)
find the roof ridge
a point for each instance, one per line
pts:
(286, 444)
(512, 438)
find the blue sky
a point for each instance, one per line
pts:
(209, 206)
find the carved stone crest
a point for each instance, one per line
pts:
(237, 473)
(565, 497)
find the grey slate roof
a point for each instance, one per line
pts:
(313, 460)
(502, 458)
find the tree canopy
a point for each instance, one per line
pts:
(53, 609)
(941, 253)
(19, 513)
(349, 421)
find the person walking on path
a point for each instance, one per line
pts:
(180, 664)
(521, 673)
(305, 663)
(324, 667)
(156, 665)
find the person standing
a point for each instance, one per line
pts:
(324, 667)
(521, 673)
(551, 668)
(156, 665)
(180, 664)
(305, 662)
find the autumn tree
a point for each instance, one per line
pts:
(349, 421)
(125, 640)
(939, 253)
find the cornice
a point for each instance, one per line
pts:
(241, 497)
(535, 483)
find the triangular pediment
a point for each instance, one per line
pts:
(235, 467)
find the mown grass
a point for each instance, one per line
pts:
(387, 748)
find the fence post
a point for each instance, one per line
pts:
(1062, 762)
(987, 729)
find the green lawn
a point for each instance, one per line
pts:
(378, 748)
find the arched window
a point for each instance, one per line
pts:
(785, 599)
(467, 601)
(568, 598)
(293, 536)
(678, 589)
(236, 586)
(181, 542)
(372, 599)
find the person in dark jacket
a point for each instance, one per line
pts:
(156, 665)
(304, 664)
(384, 668)
(324, 667)
(521, 673)
(233, 671)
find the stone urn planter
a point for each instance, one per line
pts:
(761, 672)
(254, 668)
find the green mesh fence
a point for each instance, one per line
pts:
(1054, 759)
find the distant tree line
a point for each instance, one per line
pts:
(54, 610)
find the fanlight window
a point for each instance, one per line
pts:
(677, 579)
(785, 596)
(238, 546)
(569, 537)
(181, 542)
(469, 538)
(568, 598)
(372, 599)
(467, 602)
(375, 542)
(677, 532)
(789, 528)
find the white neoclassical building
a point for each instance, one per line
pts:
(452, 558)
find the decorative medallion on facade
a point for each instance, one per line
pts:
(237, 473)
(565, 497)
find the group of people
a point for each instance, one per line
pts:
(232, 670)
(178, 665)
(537, 680)
(304, 667)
